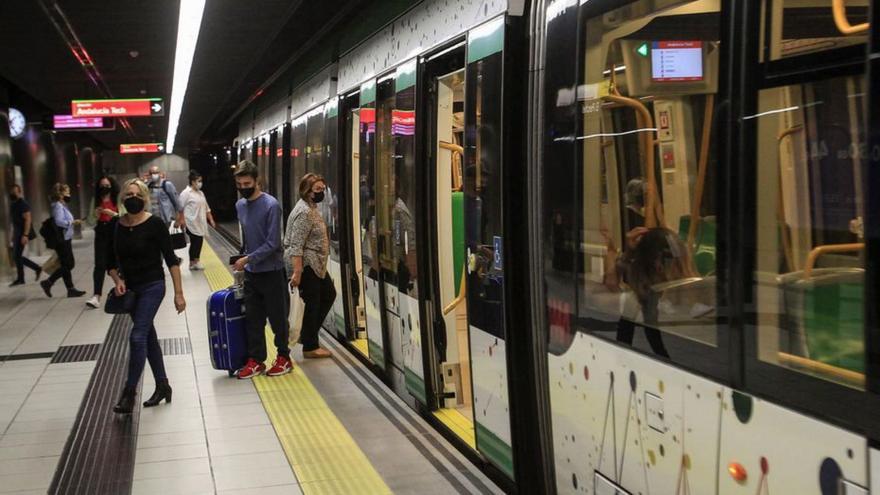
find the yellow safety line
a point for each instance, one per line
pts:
(362, 346)
(459, 424)
(323, 455)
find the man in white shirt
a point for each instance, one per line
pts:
(198, 216)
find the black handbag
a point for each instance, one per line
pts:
(178, 238)
(124, 304)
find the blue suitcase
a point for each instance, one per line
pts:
(226, 330)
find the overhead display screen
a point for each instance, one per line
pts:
(71, 123)
(677, 61)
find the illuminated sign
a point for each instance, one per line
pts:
(141, 148)
(138, 107)
(403, 122)
(279, 152)
(71, 123)
(677, 61)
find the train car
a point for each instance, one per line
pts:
(609, 247)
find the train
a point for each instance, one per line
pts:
(608, 247)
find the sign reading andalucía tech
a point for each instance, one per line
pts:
(141, 148)
(137, 107)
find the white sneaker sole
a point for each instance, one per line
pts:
(249, 377)
(288, 370)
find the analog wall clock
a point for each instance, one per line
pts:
(17, 123)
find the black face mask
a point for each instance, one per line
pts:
(246, 192)
(67, 199)
(318, 197)
(105, 188)
(134, 204)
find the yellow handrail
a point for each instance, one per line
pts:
(780, 208)
(462, 294)
(701, 171)
(838, 9)
(456, 171)
(846, 376)
(829, 248)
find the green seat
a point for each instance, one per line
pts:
(704, 242)
(457, 237)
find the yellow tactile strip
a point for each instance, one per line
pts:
(459, 424)
(324, 457)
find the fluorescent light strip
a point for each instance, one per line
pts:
(188, 26)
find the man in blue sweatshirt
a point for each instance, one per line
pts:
(265, 283)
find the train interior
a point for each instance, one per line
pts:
(357, 297)
(455, 361)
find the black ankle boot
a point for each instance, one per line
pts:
(126, 402)
(163, 391)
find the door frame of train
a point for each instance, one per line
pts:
(431, 67)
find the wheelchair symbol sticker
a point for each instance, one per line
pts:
(499, 258)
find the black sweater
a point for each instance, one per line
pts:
(141, 249)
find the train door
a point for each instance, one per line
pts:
(369, 227)
(315, 141)
(444, 85)
(283, 155)
(353, 284)
(298, 147)
(272, 164)
(335, 322)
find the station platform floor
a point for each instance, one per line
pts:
(329, 427)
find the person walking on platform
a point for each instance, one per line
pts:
(139, 242)
(164, 200)
(307, 246)
(197, 215)
(104, 211)
(22, 223)
(63, 219)
(265, 292)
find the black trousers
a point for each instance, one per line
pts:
(103, 252)
(20, 260)
(266, 298)
(195, 246)
(65, 257)
(318, 295)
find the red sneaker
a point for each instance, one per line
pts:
(281, 366)
(251, 369)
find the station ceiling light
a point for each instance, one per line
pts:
(188, 26)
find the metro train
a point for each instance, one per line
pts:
(609, 247)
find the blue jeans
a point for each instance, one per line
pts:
(143, 342)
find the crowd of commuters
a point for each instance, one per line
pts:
(132, 239)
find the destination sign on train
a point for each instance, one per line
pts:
(137, 107)
(141, 148)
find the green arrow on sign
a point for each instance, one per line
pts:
(642, 50)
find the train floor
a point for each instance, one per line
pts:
(329, 427)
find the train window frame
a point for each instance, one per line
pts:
(832, 402)
(828, 59)
(713, 362)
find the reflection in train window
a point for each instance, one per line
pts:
(799, 27)
(648, 231)
(810, 245)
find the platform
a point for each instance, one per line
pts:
(329, 427)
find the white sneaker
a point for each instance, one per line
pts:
(197, 266)
(94, 302)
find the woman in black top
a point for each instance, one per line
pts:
(140, 241)
(106, 208)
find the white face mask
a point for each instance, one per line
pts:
(155, 177)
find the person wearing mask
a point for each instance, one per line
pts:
(104, 211)
(265, 291)
(64, 221)
(165, 204)
(21, 228)
(307, 246)
(197, 215)
(140, 241)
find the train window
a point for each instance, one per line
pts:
(810, 245)
(385, 186)
(298, 146)
(403, 127)
(330, 205)
(799, 27)
(315, 141)
(648, 229)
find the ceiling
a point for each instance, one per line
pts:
(132, 42)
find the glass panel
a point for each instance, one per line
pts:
(799, 27)
(403, 213)
(315, 142)
(331, 176)
(298, 151)
(385, 186)
(810, 246)
(647, 236)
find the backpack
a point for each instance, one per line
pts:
(49, 232)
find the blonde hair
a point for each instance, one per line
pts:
(58, 191)
(306, 183)
(142, 189)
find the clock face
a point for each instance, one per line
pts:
(17, 123)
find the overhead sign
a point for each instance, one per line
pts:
(138, 107)
(71, 123)
(141, 148)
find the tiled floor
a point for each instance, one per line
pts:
(215, 437)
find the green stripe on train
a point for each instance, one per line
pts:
(377, 355)
(495, 449)
(485, 40)
(415, 385)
